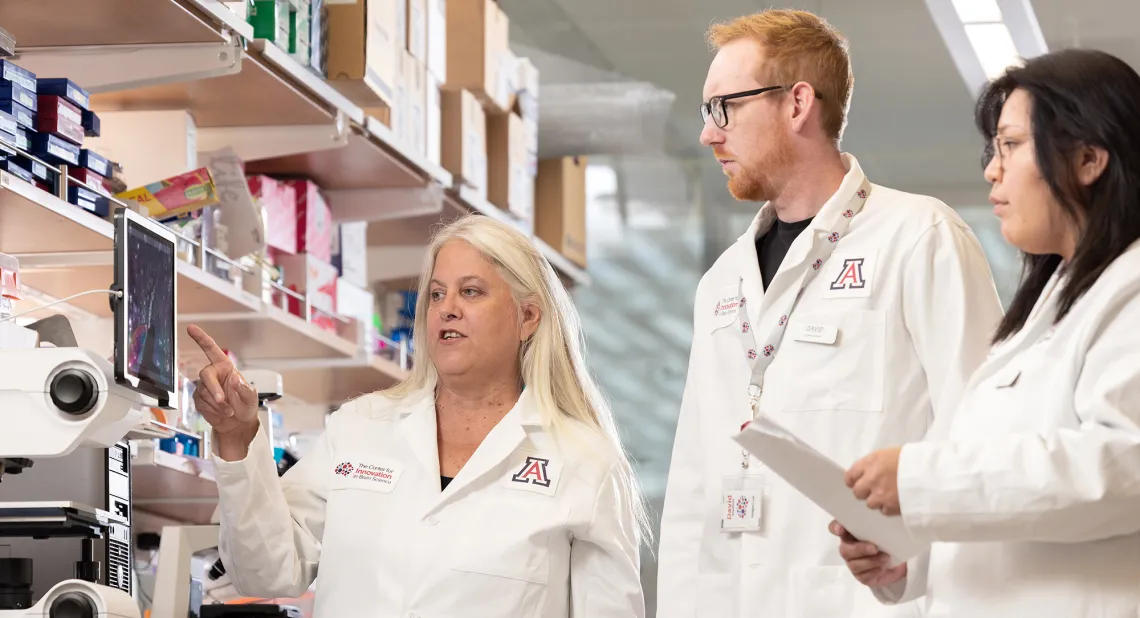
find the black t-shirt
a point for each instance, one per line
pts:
(773, 246)
(443, 482)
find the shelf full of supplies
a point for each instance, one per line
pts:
(243, 93)
(71, 253)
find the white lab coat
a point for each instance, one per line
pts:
(534, 525)
(1032, 496)
(906, 343)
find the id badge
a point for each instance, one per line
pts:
(742, 503)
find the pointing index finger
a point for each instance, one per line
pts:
(208, 345)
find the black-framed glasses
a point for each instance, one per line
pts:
(715, 107)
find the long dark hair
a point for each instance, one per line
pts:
(1079, 98)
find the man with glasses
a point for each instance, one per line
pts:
(849, 313)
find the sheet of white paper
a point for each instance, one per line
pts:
(821, 480)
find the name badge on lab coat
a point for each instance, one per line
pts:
(375, 475)
(816, 333)
(742, 503)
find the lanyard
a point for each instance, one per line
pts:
(761, 359)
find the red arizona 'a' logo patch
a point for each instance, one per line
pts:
(851, 277)
(534, 472)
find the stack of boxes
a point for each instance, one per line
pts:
(441, 75)
(319, 259)
(298, 27)
(50, 118)
(483, 71)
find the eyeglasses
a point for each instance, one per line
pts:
(715, 108)
(998, 148)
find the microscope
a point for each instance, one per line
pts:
(65, 460)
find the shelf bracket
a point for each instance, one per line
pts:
(385, 204)
(258, 143)
(114, 68)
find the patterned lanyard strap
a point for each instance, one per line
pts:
(760, 361)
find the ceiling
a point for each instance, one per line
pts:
(910, 122)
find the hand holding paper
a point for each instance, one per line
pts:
(869, 565)
(875, 480)
(823, 482)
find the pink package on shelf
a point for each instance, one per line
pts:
(9, 277)
(280, 203)
(314, 220)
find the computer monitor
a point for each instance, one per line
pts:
(146, 344)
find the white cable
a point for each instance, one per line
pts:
(115, 293)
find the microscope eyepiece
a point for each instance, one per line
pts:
(74, 391)
(73, 605)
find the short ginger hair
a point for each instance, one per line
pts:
(799, 46)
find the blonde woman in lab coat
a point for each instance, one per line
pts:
(1031, 496)
(490, 483)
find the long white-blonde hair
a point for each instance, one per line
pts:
(552, 362)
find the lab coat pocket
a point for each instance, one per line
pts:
(507, 551)
(716, 595)
(821, 592)
(841, 372)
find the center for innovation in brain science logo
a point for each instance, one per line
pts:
(344, 469)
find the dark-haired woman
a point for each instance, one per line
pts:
(1030, 496)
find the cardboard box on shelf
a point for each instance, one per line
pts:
(526, 106)
(350, 252)
(399, 111)
(362, 50)
(560, 206)
(506, 80)
(464, 146)
(170, 138)
(508, 182)
(415, 80)
(174, 196)
(418, 29)
(353, 301)
(314, 220)
(437, 39)
(402, 25)
(434, 111)
(477, 50)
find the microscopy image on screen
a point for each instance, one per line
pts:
(150, 307)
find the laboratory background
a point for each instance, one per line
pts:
(298, 155)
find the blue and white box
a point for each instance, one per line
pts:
(24, 116)
(54, 150)
(11, 73)
(11, 91)
(65, 88)
(95, 162)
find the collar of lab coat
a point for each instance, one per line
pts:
(828, 214)
(418, 426)
(751, 285)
